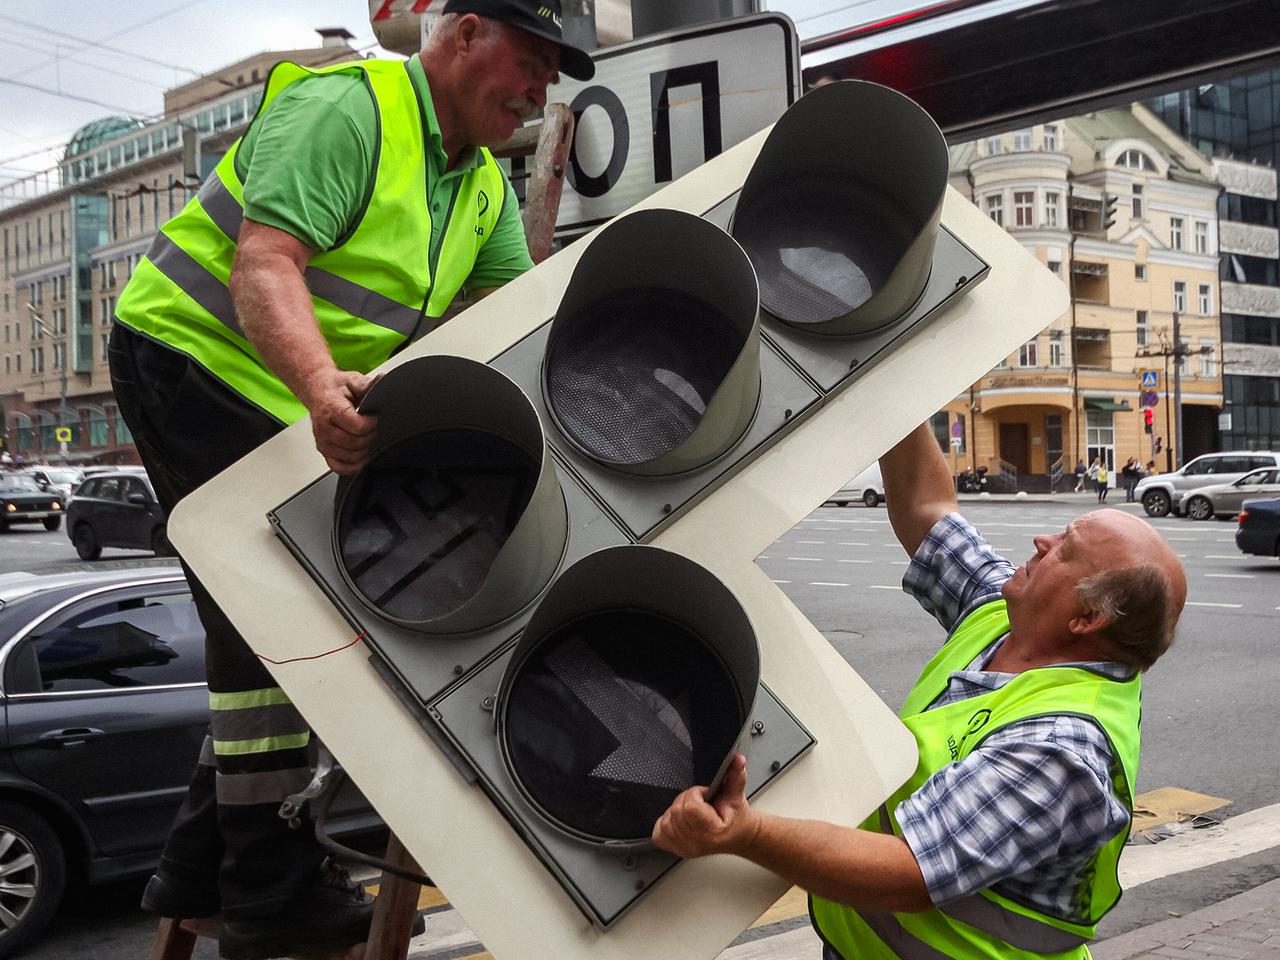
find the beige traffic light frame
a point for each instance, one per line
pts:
(497, 884)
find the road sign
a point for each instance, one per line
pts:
(1149, 398)
(62, 434)
(957, 429)
(1150, 379)
(573, 440)
(957, 443)
(662, 105)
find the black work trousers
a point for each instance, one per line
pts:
(228, 835)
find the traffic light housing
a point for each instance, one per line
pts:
(1148, 417)
(449, 686)
(1108, 213)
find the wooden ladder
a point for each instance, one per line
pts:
(548, 142)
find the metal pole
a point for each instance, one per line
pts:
(1177, 384)
(1168, 438)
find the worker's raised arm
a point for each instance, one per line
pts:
(918, 489)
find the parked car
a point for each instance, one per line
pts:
(116, 509)
(1223, 500)
(106, 708)
(60, 480)
(866, 486)
(1259, 529)
(1161, 494)
(22, 501)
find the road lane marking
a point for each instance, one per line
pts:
(880, 586)
(1222, 556)
(782, 581)
(1183, 539)
(841, 560)
(1235, 837)
(1231, 576)
(813, 543)
(899, 563)
(763, 556)
(806, 559)
(852, 543)
(826, 583)
(1229, 606)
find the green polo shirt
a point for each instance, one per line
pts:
(307, 168)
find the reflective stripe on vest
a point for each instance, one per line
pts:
(380, 286)
(986, 925)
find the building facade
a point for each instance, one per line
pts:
(1125, 212)
(71, 236)
(1237, 122)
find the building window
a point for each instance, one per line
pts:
(1135, 160)
(1140, 272)
(106, 340)
(1205, 300)
(1050, 137)
(1179, 297)
(7, 364)
(995, 208)
(1024, 208)
(1055, 267)
(1021, 141)
(993, 146)
(1208, 366)
(37, 294)
(59, 350)
(939, 422)
(1202, 236)
(1027, 354)
(1175, 233)
(1003, 364)
(1143, 327)
(1051, 200)
(1055, 348)
(1137, 201)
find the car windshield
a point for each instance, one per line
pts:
(18, 485)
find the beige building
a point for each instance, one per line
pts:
(1125, 212)
(71, 236)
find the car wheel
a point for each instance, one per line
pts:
(34, 868)
(870, 499)
(1199, 508)
(52, 523)
(85, 542)
(160, 544)
(1156, 503)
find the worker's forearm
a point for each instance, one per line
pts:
(275, 311)
(918, 489)
(854, 867)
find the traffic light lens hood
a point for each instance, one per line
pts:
(841, 209)
(457, 522)
(632, 682)
(652, 362)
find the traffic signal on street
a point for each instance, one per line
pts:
(1148, 416)
(1108, 217)
(494, 553)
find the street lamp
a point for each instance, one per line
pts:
(57, 339)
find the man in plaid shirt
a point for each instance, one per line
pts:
(996, 849)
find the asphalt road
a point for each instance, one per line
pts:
(1208, 703)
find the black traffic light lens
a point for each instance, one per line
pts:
(629, 377)
(822, 244)
(421, 526)
(614, 714)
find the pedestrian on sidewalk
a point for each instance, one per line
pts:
(1130, 474)
(1080, 472)
(300, 266)
(1102, 481)
(1005, 842)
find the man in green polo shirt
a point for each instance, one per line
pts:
(357, 205)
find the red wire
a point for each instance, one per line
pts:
(316, 656)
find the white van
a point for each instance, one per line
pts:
(866, 486)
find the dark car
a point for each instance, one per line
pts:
(116, 509)
(1259, 529)
(22, 501)
(105, 711)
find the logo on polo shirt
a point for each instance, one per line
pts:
(549, 14)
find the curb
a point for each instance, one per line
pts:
(1164, 932)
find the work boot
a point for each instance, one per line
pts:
(166, 897)
(334, 914)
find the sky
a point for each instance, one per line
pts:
(124, 55)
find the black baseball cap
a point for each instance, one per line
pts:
(539, 17)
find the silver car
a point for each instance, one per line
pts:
(1223, 500)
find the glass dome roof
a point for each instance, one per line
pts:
(98, 132)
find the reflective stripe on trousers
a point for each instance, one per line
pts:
(256, 724)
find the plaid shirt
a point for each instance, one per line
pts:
(1025, 812)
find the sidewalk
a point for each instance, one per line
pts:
(1244, 926)
(1114, 498)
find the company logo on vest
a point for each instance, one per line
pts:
(976, 723)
